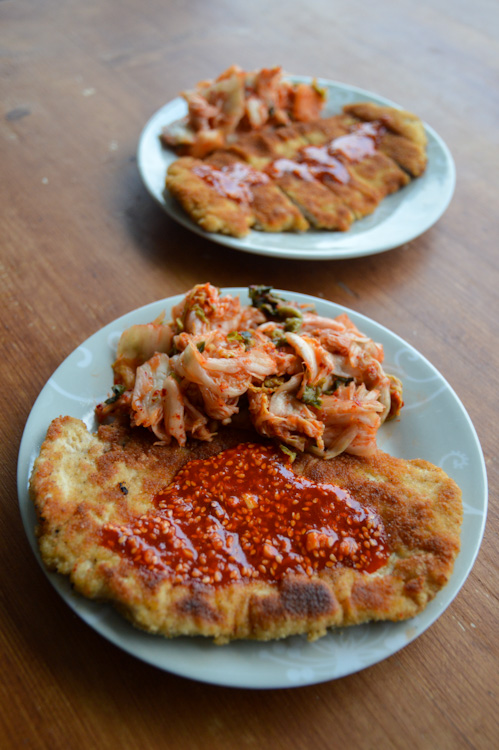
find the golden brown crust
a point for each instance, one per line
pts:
(407, 154)
(275, 212)
(319, 205)
(357, 198)
(77, 486)
(292, 202)
(396, 120)
(405, 140)
(381, 173)
(271, 209)
(212, 211)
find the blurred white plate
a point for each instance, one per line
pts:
(433, 425)
(399, 218)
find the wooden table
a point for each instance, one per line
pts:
(82, 243)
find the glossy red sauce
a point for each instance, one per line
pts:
(245, 514)
(321, 163)
(330, 160)
(324, 163)
(360, 143)
(233, 181)
(280, 167)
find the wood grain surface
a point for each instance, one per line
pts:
(81, 242)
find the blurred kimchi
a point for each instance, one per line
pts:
(239, 101)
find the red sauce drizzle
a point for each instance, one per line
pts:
(328, 161)
(312, 163)
(280, 167)
(324, 162)
(360, 143)
(232, 181)
(245, 514)
(316, 163)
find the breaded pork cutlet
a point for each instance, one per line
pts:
(321, 207)
(211, 209)
(332, 192)
(316, 203)
(405, 138)
(380, 173)
(261, 147)
(325, 174)
(271, 209)
(180, 548)
(398, 121)
(319, 132)
(275, 212)
(356, 194)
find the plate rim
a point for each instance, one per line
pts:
(119, 630)
(256, 242)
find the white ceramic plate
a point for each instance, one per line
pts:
(400, 218)
(434, 425)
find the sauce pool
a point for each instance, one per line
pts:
(244, 514)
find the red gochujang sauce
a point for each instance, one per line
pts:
(330, 161)
(244, 514)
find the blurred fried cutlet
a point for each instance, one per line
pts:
(405, 138)
(258, 148)
(357, 195)
(272, 210)
(325, 174)
(212, 210)
(381, 173)
(320, 206)
(326, 129)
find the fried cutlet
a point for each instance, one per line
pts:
(105, 521)
(311, 200)
(326, 129)
(407, 154)
(405, 138)
(210, 209)
(258, 148)
(297, 197)
(357, 195)
(372, 177)
(398, 121)
(272, 210)
(321, 207)
(275, 212)
(381, 173)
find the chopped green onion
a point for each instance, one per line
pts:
(117, 390)
(312, 396)
(244, 337)
(199, 313)
(288, 451)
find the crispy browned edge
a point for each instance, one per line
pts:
(75, 486)
(405, 139)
